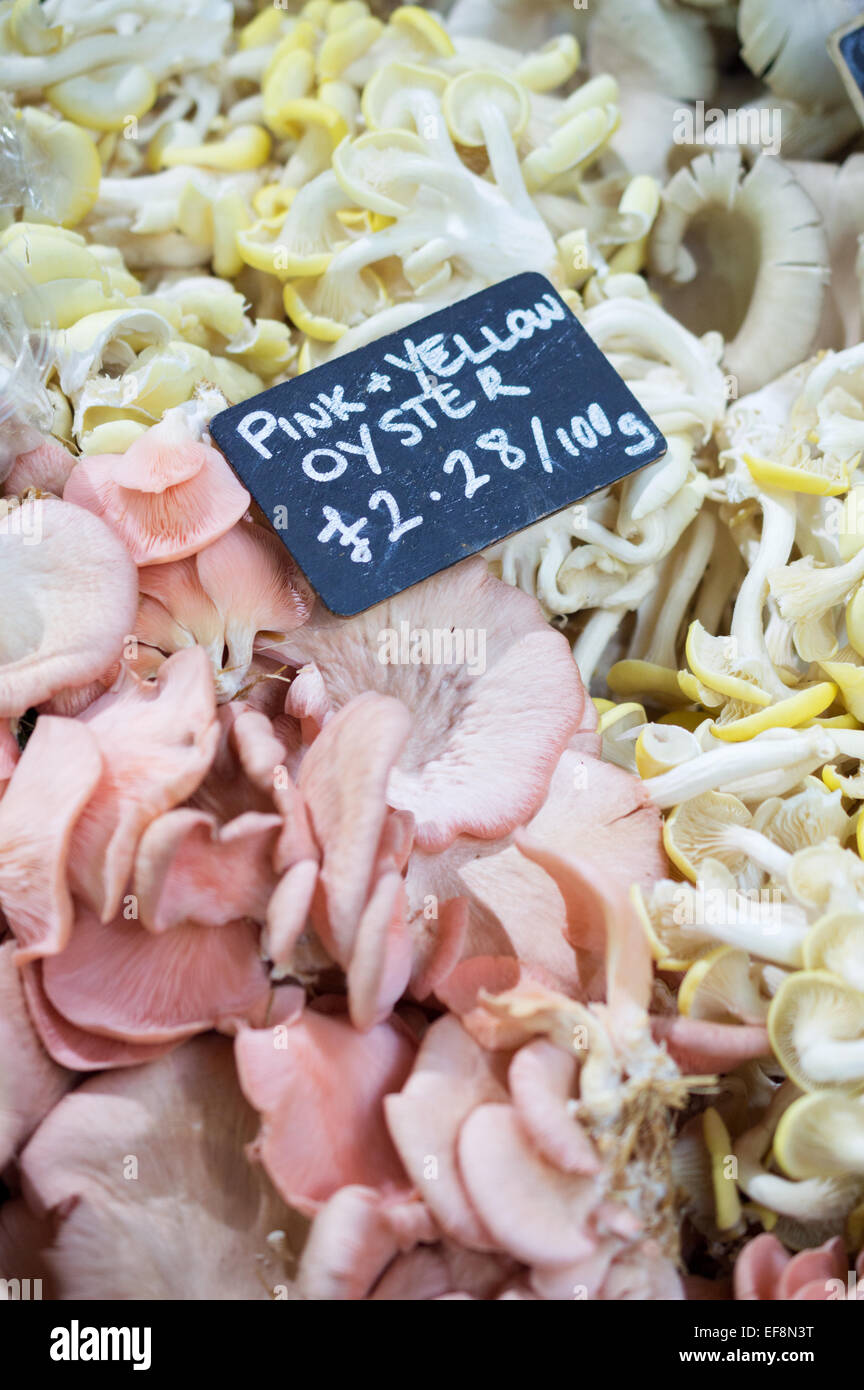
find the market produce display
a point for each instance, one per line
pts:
(338, 970)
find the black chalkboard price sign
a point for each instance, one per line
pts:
(846, 48)
(395, 461)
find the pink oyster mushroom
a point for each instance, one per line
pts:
(166, 497)
(477, 896)
(236, 594)
(318, 1086)
(45, 468)
(30, 1082)
(489, 1141)
(143, 1174)
(482, 746)
(69, 593)
(765, 1271)
(93, 969)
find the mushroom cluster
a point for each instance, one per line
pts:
(543, 981)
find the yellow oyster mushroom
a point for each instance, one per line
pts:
(618, 728)
(287, 80)
(639, 202)
(785, 714)
(343, 13)
(645, 678)
(602, 90)
(487, 108)
(572, 144)
(230, 216)
(816, 1027)
(836, 781)
(382, 169)
(344, 46)
(548, 67)
(836, 943)
(305, 114)
(720, 988)
(403, 96)
(628, 713)
(75, 169)
(29, 30)
(45, 258)
(670, 920)
(717, 666)
(806, 477)
(814, 1198)
(107, 99)
(660, 747)
(423, 29)
(717, 825)
(272, 200)
(317, 12)
(822, 1136)
(602, 705)
(260, 247)
(269, 349)
(804, 819)
(849, 680)
(319, 326)
(261, 31)
(112, 437)
(303, 36)
(826, 876)
(244, 147)
(719, 1145)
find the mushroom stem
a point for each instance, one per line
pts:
(775, 544)
(813, 1199)
(663, 646)
(834, 1060)
(760, 849)
(727, 767)
(593, 640)
(503, 157)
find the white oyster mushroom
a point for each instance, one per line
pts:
(734, 250)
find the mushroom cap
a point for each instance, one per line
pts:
(45, 468)
(166, 497)
(787, 47)
(484, 744)
(190, 869)
(451, 1076)
(468, 94)
(719, 988)
(765, 227)
(30, 1082)
(115, 978)
(386, 103)
(698, 830)
(821, 1135)
(36, 836)
(70, 592)
(816, 1025)
(368, 169)
(195, 1223)
(318, 1085)
(157, 740)
(836, 943)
